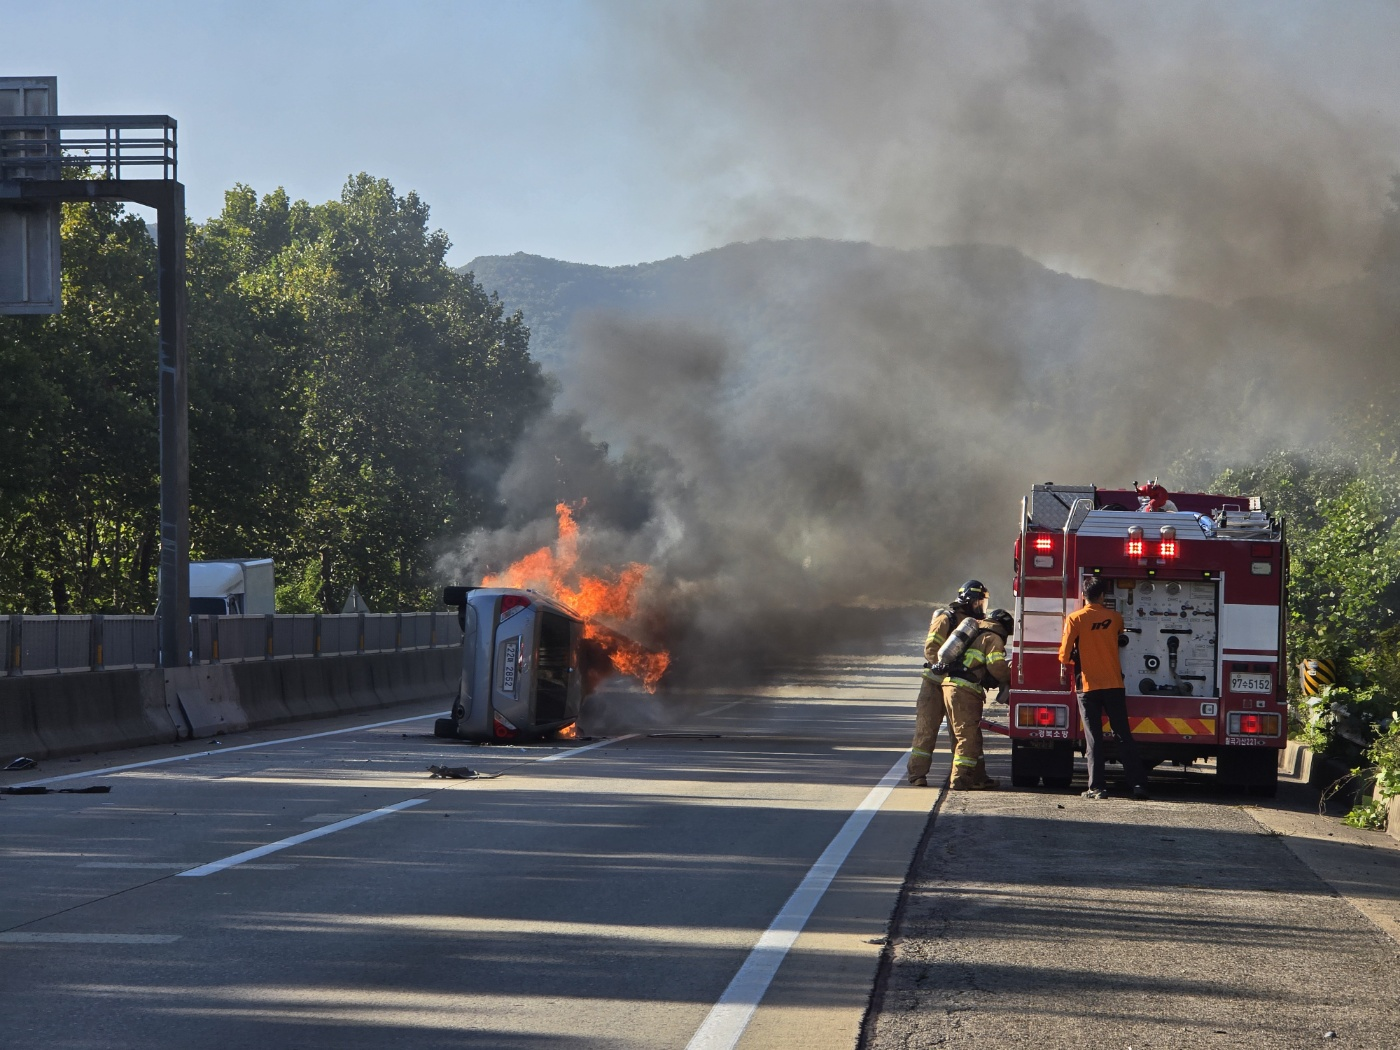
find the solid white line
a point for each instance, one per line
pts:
(88, 938)
(728, 1018)
(221, 751)
(561, 755)
(295, 840)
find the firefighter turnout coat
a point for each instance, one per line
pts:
(929, 708)
(965, 692)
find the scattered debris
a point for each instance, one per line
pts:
(22, 763)
(30, 789)
(459, 773)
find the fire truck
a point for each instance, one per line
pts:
(1201, 583)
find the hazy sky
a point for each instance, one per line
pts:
(1203, 146)
(501, 115)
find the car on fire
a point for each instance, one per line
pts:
(522, 675)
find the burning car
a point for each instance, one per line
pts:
(522, 673)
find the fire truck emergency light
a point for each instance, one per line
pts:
(1135, 545)
(1168, 546)
(1044, 543)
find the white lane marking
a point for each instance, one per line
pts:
(88, 938)
(560, 756)
(721, 707)
(325, 818)
(221, 751)
(178, 865)
(728, 1018)
(295, 840)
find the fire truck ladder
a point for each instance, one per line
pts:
(1063, 577)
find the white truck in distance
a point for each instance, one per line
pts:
(233, 587)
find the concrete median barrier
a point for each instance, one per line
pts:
(50, 715)
(47, 716)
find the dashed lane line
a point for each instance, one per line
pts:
(559, 756)
(221, 751)
(20, 937)
(296, 840)
(172, 866)
(350, 822)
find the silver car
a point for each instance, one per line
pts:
(521, 675)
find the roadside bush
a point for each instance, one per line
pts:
(1384, 756)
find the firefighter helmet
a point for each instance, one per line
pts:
(1003, 620)
(972, 592)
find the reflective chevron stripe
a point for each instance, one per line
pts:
(1161, 725)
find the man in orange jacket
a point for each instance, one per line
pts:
(1091, 634)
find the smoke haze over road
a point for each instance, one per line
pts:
(854, 424)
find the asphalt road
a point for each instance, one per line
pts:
(1195, 920)
(709, 871)
(720, 874)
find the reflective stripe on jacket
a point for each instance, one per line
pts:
(986, 654)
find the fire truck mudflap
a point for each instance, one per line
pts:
(1202, 590)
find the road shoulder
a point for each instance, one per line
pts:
(1048, 920)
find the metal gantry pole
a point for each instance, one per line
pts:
(173, 600)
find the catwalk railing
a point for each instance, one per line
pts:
(52, 644)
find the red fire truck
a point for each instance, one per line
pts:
(1201, 582)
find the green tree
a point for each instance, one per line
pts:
(78, 523)
(352, 401)
(402, 379)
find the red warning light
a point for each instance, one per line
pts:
(1044, 716)
(1044, 543)
(1250, 724)
(1135, 548)
(1167, 549)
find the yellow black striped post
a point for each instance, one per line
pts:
(1316, 675)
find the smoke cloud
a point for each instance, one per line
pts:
(856, 426)
(1201, 149)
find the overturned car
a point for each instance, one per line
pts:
(522, 674)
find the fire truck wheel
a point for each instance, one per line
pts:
(1268, 788)
(1251, 769)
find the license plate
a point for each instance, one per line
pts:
(1251, 683)
(508, 672)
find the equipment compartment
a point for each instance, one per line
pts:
(1171, 632)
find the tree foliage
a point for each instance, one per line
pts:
(352, 400)
(1342, 506)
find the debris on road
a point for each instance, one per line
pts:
(459, 773)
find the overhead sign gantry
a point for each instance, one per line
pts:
(134, 161)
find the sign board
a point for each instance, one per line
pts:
(29, 235)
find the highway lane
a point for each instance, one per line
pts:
(585, 896)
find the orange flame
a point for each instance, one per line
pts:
(553, 571)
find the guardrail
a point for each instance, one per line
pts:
(55, 644)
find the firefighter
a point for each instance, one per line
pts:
(1091, 641)
(983, 665)
(929, 709)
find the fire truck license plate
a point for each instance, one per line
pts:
(1251, 683)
